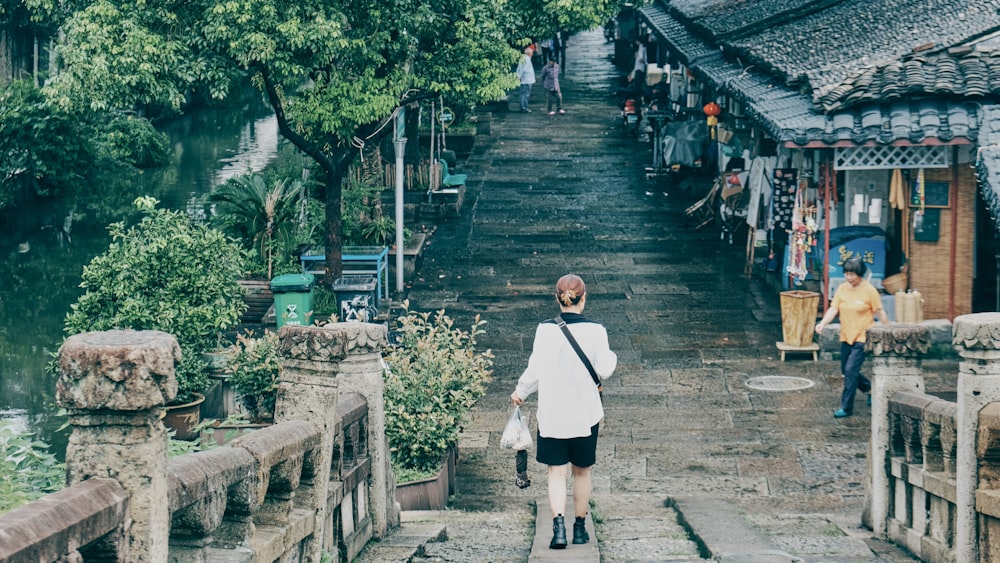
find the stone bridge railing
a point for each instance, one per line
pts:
(318, 481)
(935, 464)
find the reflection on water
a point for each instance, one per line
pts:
(44, 246)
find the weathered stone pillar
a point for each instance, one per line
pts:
(361, 372)
(310, 362)
(896, 354)
(114, 384)
(977, 338)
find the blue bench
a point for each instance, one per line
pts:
(450, 180)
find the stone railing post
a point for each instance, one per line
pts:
(361, 372)
(977, 338)
(896, 355)
(310, 363)
(114, 385)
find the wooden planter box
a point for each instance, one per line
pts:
(413, 254)
(430, 494)
(258, 298)
(411, 204)
(461, 143)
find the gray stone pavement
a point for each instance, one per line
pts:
(692, 462)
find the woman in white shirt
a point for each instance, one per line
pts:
(569, 404)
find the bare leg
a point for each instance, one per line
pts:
(581, 491)
(557, 489)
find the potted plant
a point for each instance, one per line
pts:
(434, 376)
(165, 273)
(271, 219)
(254, 369)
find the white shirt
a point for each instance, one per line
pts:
(568, 401)
(525, 70)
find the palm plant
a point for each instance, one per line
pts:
(264, 217)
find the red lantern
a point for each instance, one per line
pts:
(712, 109)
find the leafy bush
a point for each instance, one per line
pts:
(254, 370)
(27, 470)
(363, 221)
(43, 150)
(434, 377)
(165, 273)
(134, 140)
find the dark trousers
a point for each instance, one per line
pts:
(553, 96)
(852, 356)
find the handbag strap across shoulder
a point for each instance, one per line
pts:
(576, 347)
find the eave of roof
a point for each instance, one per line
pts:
(791, 117)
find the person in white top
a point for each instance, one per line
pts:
(569, 403)
(526, 74)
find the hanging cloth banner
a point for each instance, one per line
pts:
(897, 191)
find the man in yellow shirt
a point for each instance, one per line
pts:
(857, 302)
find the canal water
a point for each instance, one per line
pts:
(43, 248)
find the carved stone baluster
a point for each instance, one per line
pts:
(114, 385)
(977, 338)
(311, 358)
(361, 372)
(896, 350)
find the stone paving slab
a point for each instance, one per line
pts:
(552, 195)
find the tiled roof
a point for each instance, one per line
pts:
(728, 19)
(988, 161)
(789, 116)
(826, 47)
(962, 72)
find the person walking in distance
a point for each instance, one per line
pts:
(526, 74)
(569, 402)
(550, 81)
(857, 302)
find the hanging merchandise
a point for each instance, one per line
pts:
(802, 238)
(783, 199)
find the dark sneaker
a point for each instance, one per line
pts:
(558, 533)
(580, 534)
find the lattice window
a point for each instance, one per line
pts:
(884, 157)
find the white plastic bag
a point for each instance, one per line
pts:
(516, 435)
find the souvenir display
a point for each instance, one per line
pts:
(783, 198)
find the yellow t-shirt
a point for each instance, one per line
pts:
(857, 307)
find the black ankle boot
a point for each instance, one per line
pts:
(580, 534)
(558, 533)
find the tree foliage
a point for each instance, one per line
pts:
(334, 72)
(165, 273)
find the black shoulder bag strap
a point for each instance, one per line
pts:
(576, 347)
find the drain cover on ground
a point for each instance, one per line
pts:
(779, 383)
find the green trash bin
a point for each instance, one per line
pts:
(293, 297)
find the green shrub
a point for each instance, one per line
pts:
(254, 371)
(27, 470)
(43, 150)
(434, 377)
(134, 140)
(165, 273)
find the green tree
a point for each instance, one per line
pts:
(334, 72)
(264, 217)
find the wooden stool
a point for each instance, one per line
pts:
(783, 348)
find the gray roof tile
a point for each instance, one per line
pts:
(789, 116)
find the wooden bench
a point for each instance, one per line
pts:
(450, 180)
